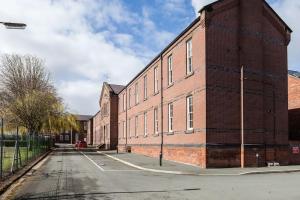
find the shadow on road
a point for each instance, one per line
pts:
(95, 195)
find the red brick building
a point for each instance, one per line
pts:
(105, 122)
(71, 136)
(294, 107)
(294, 118)
(216, 96)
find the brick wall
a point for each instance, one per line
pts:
(98, 137)
(246, 33)
(294, 118)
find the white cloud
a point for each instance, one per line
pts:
(82, 93)
(172, 6)
(198, 4)
(80, 43)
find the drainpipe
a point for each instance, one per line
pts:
(161, 110)
(126, 120)
(240, 58)
(274, 124)
(242, 119)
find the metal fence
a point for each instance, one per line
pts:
(17, 150)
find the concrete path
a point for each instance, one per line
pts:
(169, 167)
(70, 174)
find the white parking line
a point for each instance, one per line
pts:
(93, 162)
(122, 170)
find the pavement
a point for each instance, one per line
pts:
(170, 167)
(70, 174)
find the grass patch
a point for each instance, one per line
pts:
(25, 156)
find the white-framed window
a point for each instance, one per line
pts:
(124, 129)
(136, 93)
(129, 129)
(170, 70)
(189, 112)
(67, 137)
(136, 125)
(124, 102)
(189, 56)
(156, 121)
(155, 80)
(170, 117)
(145, 87)
(145, 124)
(129, 97)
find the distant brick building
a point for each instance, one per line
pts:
(105, 122)
(294, 118)
(216, 96)
(71, 136)
(294, 107)
(90, 135)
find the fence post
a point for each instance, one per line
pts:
(17, 148)
(27, 147)
(1, 148)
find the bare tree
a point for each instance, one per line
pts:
(27, 97)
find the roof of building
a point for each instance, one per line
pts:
(116, 88)
(83, 117)
(208, 7)
(294, 73)
(96, 114)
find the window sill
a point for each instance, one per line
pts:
(145, 136)
(189, 75)
(170, 85)
(170, 133)
(190, 131)
(156, 93)
(155, 135)
(145, 99)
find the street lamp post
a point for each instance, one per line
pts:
(11, 25)
(8, 25)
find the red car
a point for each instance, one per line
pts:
(80, 144)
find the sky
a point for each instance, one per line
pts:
(86, 42)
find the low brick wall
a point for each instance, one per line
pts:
(219, 157)
(266, 154)
(188, 155)
(223, 157)
(294, 158)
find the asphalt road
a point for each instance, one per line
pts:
(69, 174)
